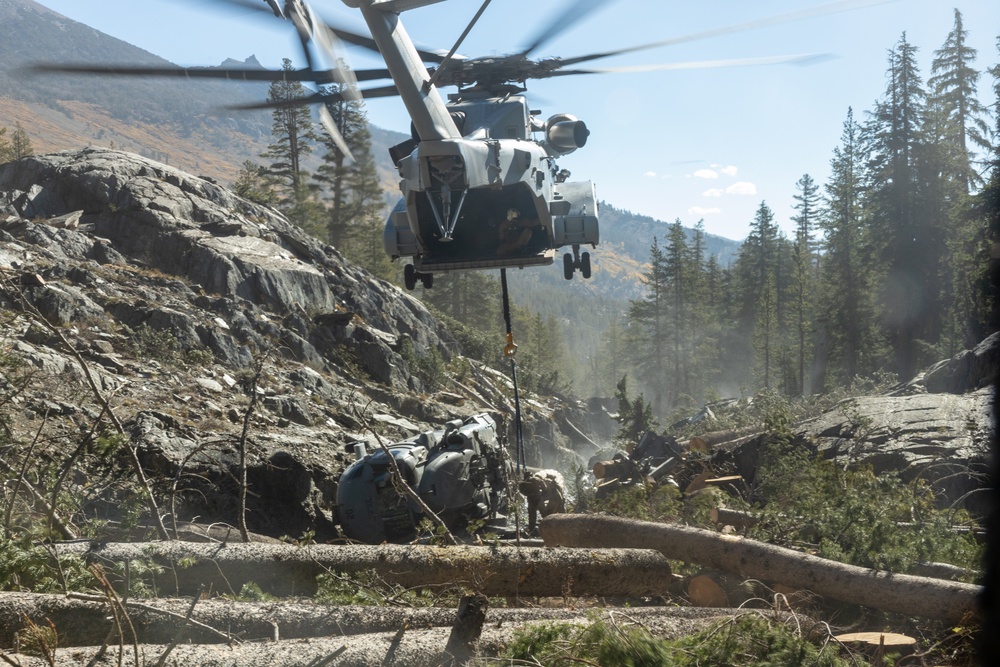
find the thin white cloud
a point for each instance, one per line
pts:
(700, 210)
(706, 173)
(742, 188)
(651, 174)
(729, 170)
(712, 192)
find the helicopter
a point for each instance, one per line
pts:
(479, 180)
(459, 473)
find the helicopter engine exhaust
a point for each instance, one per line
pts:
(565, 133)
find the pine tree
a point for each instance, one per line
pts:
(253, 184)
(953, 92)
(20, 143)
(611, 358)
(351, 188)
(955, 127)
(986, 315)
(704, 322)
(807, 210)
(912, 245)
(757, 270)
(677, 264)
(293, 131)
(845, 288)
(647, 334)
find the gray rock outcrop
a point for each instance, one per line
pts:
(173, 292)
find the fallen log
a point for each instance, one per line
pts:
(407, 647)
(904, 594)
(284, 569)
(741, 519)
(83, 622)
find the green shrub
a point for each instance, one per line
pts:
(640, 502)
(854, 516)
(28, 567)
(748, 641)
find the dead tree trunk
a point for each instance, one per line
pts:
(405, 646)
(283, 569)
(83, 622)
(904, 594)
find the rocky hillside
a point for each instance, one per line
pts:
(169, 292)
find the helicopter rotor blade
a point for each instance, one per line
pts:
(335, 135)
(573, 13)
(238, 74)
(313, 33)
(798, 15)
(803, 59)
(315, 98)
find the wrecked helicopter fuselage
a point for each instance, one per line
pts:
(460, 473)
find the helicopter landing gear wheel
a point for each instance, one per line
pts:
(568, 267)
(585, 265)
(409, 277)
(427, 280)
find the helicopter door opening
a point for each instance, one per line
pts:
(488, 225)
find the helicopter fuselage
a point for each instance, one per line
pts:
(478, 191)
(493, 199)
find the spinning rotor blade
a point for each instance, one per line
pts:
(820, 10)
(312, 32)
(204, 72)
(315, 98)
(804, 59)
(331, 128)
(426, 55)
(573, 13)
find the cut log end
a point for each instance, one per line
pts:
(879, 642)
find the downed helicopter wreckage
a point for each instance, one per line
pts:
(460, 473)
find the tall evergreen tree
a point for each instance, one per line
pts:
(912, 245)
(956, 128)
(294, 134)
(679, 272)
(807, 210)
(647, 333)
(351, 188)
(845, 288)
(953, 93)
(703, 322)
(756, 276)
(611, 358)
(987, 282)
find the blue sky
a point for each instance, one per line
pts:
(692, 144)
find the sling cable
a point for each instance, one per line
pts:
(509, 351)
